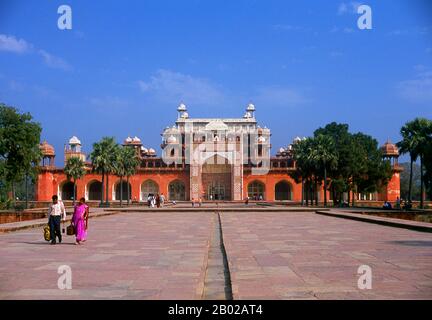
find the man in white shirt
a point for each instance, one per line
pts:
(56, 212)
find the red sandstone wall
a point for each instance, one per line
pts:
(392, 191)
(270, 180)
(50, 183)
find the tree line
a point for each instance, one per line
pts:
(108, 157)
(345, 163)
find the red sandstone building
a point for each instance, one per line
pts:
(211, 159)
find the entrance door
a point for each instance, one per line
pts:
(216, 191)
(216, 179)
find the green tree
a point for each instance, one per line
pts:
(74, 170)
(340, 175)
(428, 169)
(304, 167)
(416, 137)
(322, 156)
(371, 172)
(119, 167)
(19, 146)
(405, 179)
(360, 166)
(131, 162)
(103, 158)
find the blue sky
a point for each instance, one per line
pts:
(125, 65)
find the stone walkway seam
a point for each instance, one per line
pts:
(217, 280)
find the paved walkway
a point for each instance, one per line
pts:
(272, 255)
(127, 256)
(310, 256)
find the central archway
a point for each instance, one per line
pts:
(216, 178)
(283, 191)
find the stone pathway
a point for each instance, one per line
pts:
(169, 255)
(127, 256)
(310, 256)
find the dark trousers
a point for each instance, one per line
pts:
(54, 223)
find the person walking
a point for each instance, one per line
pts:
(162, 199)
(80, 221)
(158, 200)
(56, 212)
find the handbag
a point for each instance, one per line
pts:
(70, 230)
(47, 233)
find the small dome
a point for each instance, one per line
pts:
(184, 115)
(136, 139)
(390, 149)
(181, 107)
(250, 107)
(297, 139)
(128, 140)
(151, 151)
(281, 150)
(247, 115)
(74, 141)
(144, 149)
(46, 149)
(172, 139)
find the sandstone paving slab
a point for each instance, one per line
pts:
(127, 256)
(308, 256)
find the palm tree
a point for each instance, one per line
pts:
(416, 135)
(323, 154)
(103, 158)
(74, 169)
(303, 172)
(122, 160)
(130, 164)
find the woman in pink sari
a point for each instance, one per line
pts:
(80, 221)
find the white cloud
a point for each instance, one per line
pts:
(350, 7)
(419, 89)
(280, 96)
(172, 87)
(414, 31)
(53, 61)
(12, 44)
